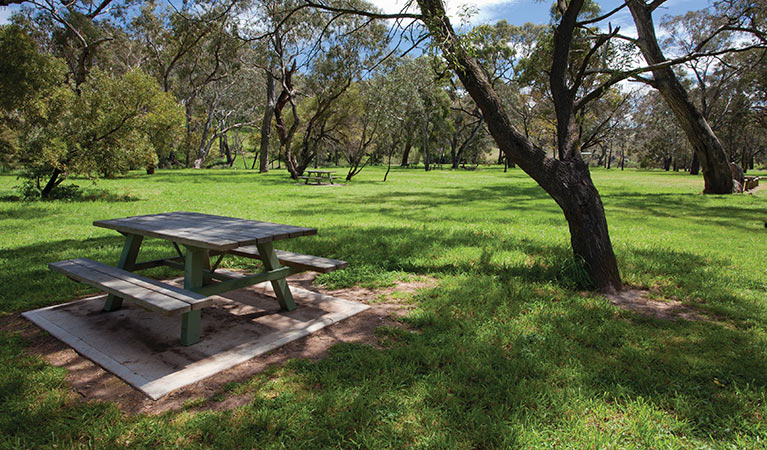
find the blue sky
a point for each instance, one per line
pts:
(521, 11)
(514, 11)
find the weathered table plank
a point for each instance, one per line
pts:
(144, 291)
(205, 231)
(295, 260)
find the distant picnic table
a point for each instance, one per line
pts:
(202, 236)
(318, 177)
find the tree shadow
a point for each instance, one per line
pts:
(691, 207)
(501, 344)
(85, 195)
(207, 176)
(493, 355)
(28, 283)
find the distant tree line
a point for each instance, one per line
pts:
(99, 88)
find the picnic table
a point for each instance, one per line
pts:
(318, 176)
(201, 236)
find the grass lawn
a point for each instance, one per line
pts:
(506, 350)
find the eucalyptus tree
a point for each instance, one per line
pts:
(567, 178)
(229, 104)
(344, 60)
(715, 77)
(659, 140)
(194, 53)
(707, 146)
(324, 57)
(77, 30)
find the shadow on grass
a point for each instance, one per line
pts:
(28, 283)
(502, 347)
(83, 195)
(688, 206)
(212, 176)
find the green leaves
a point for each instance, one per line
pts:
(113, 125)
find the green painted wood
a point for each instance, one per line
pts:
(296, 260)
(190, 327)
(280, 286)
(176, 262)
(244, 281)
(194, 264)
(127, 262)
(150, 294)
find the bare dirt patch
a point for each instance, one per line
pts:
(89, 382)
(641, 302)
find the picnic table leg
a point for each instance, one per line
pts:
(127, 262)
(194, 264)
(281, 289)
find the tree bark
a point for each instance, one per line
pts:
(708, 148)
(406, 152)
(426, 151)
(695, 164)
(458, 156)
(266, 124)
(567, 181)
(57, 176)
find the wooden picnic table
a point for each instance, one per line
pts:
(318, 176)
(201, 236)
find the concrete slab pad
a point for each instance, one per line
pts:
(143, 347)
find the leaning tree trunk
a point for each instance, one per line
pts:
(708, 148)
(57, 176)
(568, 181)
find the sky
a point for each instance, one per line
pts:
(518, 12)
(515, 12)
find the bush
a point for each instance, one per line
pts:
(30, 190)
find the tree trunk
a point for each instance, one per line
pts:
(426, 152)
(224, 142)
(188, 111)
(567, 181)
(53, 181)
(711, 155)
(453, 145)
(609, 156)
(695, 164)
(284, 133)
(266, 124)
(474, 132)
(408, 146)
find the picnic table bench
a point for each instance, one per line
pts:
(750, 182)
(202, 236)
(318, 176)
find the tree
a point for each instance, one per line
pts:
(659, 141)
(193, 53)
(27, 76)
(114, 125)
(77, 30)
(566, 179)
(708, 148)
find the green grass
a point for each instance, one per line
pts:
(506, 352)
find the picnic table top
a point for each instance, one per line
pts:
(205, 230)
(319, 171)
